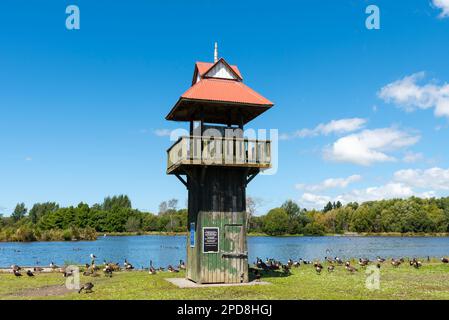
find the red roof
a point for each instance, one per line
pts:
(203, 67)
(212, 89)
(218, 100)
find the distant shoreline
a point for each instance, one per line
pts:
(164, 233)
(257, 234)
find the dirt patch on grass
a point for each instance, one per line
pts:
(47, 291)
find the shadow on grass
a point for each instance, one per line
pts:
(267, 274)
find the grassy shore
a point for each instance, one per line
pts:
(404, 282)
(260, 234)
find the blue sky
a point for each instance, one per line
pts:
(363, 113)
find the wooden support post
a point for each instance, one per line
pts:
(182, 180)
(251, 177)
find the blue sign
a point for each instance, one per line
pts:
(192, 234)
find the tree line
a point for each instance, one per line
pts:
(412, 215)
(48, 221)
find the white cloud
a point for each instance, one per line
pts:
(330, 183)
(162, 132)
(433, 178)
(335, 126)
(411, 157)
(391, 190)
(443, 5)
(408, 94)
(369, 146)
(405, 183)
(28, 159)
(310, 200)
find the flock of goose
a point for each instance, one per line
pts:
(271, 264)
(92, 270)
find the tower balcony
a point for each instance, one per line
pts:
(218, 151)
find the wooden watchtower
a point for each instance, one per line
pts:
(216, 163)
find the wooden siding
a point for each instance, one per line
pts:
(217, 199)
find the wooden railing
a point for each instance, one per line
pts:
(219, 151)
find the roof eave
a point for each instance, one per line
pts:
(256, 105)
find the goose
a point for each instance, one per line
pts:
(152, 270)
(92, 256)
(329, 259)
(112, 266)
(171, 269)
(16, 267)
(94, 267)
(445, 260)
(350, 268)
(380, 260)
(107, 272)
(17, 273)
(338, 260)
(53, 265)
(87, 273)
(38, 269)
(161, 268)
(395, 263)
(363, 262)
(29, 273)
(415, 263)
(87, 287)
(261, 264)
(128, 266)
(285, 269)
(330, 268)
(257, 275)
(318, 267)
(67, 273)
(182, 265)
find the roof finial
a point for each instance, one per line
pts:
(216, 52)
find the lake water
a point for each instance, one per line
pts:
(164, 250)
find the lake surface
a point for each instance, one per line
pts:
(164, 250)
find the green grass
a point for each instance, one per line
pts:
(405, 282)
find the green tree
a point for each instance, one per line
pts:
(150, 222)
(133, 224)
(116, 202)
(328, 207)
(276, 222)
(19, 212)
(40, 209)
(293, 211)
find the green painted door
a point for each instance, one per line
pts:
(234, 254)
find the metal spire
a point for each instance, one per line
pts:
(216, 52)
